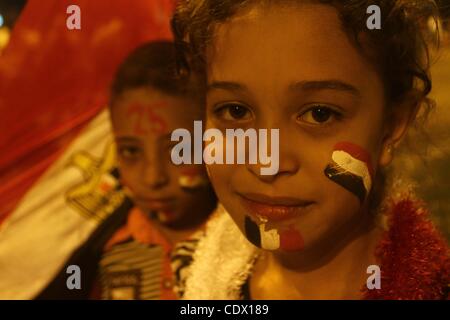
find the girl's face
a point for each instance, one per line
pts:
(143, 120)
(296, 70)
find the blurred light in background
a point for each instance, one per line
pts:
(9, 13)
(4, 33)
(4, 37)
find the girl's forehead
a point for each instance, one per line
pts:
(292, 44)
(277, 34)
(310, 17)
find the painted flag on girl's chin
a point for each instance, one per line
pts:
(56, 156)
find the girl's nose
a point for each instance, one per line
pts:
(288, 162)
(287, 167)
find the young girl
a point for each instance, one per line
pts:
(342, 96)
(148, 102)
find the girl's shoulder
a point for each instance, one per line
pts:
(181, 258)
(222, 261)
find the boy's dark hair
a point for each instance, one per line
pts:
(153, 65)
(400, 49)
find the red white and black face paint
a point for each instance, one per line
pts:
(264, 237)
(291, 239)
(192, 179)
(351, 168)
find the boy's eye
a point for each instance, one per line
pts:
(318, 115)
(129, 152)
(233, 112)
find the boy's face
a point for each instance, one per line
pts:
(143, 120)
(295, 69)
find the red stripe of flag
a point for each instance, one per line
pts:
(53, 81)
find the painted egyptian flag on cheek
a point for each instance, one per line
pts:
(351, 168)
(286, 239)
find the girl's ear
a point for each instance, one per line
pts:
(397, 122)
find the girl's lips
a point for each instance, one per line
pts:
(274, 209)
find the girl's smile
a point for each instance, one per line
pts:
(274, 209)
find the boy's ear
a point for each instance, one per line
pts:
(398, 121)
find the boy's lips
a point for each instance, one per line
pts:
(273, 208)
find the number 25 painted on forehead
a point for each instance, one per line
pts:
(157, 123)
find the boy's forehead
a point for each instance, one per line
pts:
(147, 111)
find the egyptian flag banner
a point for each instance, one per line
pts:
(57, 166)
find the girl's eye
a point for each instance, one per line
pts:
(129, 152)
(233, 112)
(318, 115)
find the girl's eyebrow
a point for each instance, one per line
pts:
(301, 85)
(325, 85)
(226, 85)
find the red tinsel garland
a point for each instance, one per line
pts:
(413, 256)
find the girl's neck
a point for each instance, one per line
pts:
(331, 270)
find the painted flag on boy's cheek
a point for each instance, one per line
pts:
(55, 163)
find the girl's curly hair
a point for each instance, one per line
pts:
(400, 50)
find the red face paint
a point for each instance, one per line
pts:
(291, 240)
(155, 122)
(137, 110)
(158, 124)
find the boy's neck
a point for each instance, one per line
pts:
(189, 227)
(176, 235)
